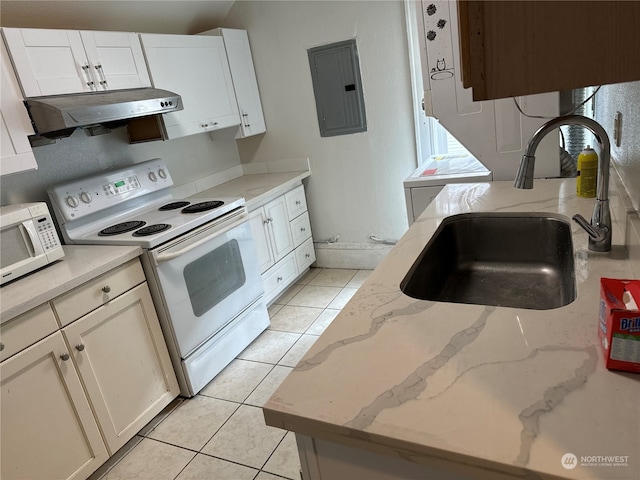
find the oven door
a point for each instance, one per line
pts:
(207, 277)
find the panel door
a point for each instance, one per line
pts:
(124, 364)
(47, 427)
(196, 68)
(260, 233)
(280, 232)
(244, 81)
(49, 62)
(116, 59)
(15, 150)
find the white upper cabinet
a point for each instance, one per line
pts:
(53, 62)
(15, 150)
(236, 43)
(196, 68)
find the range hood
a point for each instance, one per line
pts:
(59, 115)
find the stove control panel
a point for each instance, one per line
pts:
(90, 195)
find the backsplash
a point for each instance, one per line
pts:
(623, 98)
(189, 159)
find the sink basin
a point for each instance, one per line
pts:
(522, 260)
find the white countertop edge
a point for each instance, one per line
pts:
(80, 264)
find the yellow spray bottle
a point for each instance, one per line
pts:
(587, 173)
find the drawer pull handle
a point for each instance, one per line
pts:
(298, 202)
(80, 347)
(106, 289)
(279, 279)
(302, 229)
(64, 357)
(307, 255)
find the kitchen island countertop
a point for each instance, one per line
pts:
(486, 392)
(80, 264)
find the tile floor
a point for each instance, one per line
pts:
(220, 433)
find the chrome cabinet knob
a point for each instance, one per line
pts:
(298, 202)
(307, 255)
(106, 289)
(280, 279)
(80, 347)
(302, 229)
(64, 357)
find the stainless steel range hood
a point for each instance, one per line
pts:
(64, 113)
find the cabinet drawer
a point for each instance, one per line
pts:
(27, 329)
(300, 229)
(279, 277)
(96, 292)
(296, 202)
(305, 255)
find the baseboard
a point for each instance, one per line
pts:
(360, 256)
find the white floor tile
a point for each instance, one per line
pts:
(315, 296)
(237, 380)
(322, 322)
(194, 422)
(342, 298)
(269, 385)
(268, 476)
(151, 460)
(310, 275)
(296, 353)
(285, 460)
(209, 468)
(333, 277)
(273, 309)
(294, 319)
(359, 278)
(270, 346)
(288, 294)
(245, 438)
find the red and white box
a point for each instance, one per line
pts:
(619, 331)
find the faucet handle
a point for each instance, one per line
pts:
(597, 232)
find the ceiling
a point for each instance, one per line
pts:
(161, 16)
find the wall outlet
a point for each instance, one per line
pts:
(617, 129)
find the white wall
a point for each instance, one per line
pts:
(355, 188)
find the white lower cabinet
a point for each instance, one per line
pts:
(73, 398)
(282, 233)
(48, 429)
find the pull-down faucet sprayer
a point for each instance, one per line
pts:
(599, 230)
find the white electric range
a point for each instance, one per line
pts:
(199, 259)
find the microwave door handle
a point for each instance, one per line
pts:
(165, 257)
(28, 230)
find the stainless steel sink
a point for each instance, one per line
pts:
(522, 260)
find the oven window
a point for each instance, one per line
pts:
(214, 276)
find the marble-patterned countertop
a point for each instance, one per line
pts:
(488, 392)
(80, 264)
(257, 189)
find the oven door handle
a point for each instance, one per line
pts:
(165, 257)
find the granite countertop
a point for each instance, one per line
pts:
(256, 189)
(80, 264)
(488, 392)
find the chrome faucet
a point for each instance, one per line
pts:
(599, 230)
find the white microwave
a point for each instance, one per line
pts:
(28, 240)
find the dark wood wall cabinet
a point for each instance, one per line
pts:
(512, 48)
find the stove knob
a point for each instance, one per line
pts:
(72, 201)
(85, 197)
(152, 176)
(162, 173)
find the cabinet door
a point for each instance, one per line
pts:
(236, 43)
(47, 427)
(124, 364)
(49, 62)
(279, 230)
(116, 59)
(15, 150)
(196, 68)
(260, 233)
